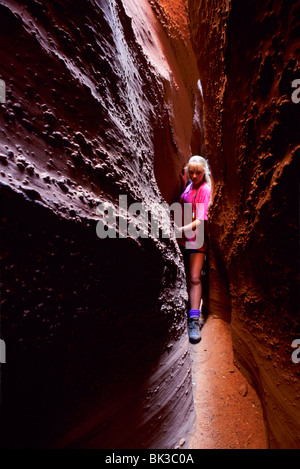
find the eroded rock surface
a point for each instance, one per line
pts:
(103, 98)
(246, 54)
(99, 102)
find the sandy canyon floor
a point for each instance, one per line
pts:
(229, 413)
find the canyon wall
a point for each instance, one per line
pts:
(247, 57)
(100, 99)
(103, 99)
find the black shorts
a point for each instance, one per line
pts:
(186, 251)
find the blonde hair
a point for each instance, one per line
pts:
(199, 161)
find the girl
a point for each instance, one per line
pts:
(193, 248)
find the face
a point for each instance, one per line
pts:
(196, 173)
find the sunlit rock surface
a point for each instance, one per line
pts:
(100, 99)
(246, 54)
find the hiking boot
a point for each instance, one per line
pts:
(194, 330)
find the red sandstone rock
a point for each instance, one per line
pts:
(99, 103)
(246, 54)
(106, 100)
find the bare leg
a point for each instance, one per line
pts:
(195, 287)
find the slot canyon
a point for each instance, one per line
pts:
(111, 97)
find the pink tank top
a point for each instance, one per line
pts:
(198, 199)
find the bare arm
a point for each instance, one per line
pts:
(190, 227)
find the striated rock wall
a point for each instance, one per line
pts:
(247, 57)
(100, 99)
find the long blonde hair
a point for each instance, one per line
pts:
(199, 161)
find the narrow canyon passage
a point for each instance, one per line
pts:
(228, 411)
(102, 104)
